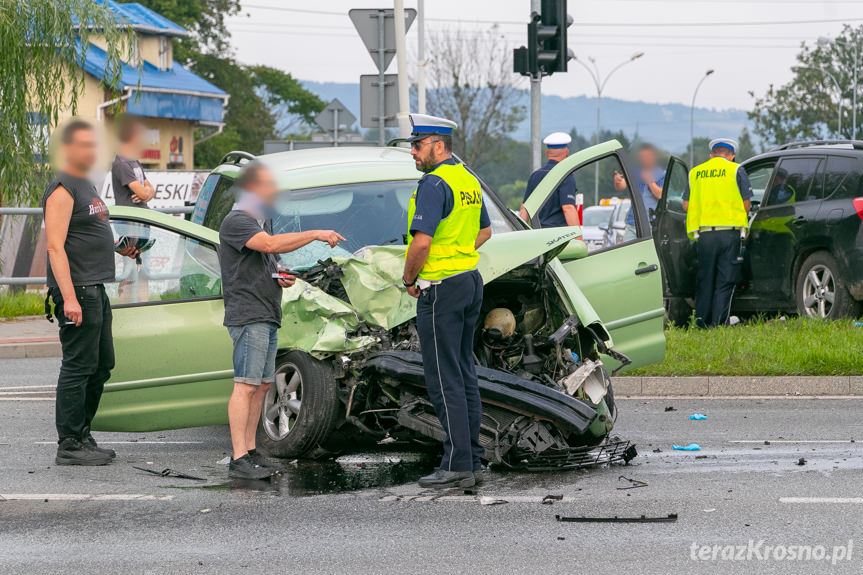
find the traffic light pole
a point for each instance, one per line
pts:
(536, 106)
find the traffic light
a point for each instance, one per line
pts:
(546, 51)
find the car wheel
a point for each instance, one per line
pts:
(299, 410)
(821, 293)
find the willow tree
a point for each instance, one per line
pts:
(43, 44)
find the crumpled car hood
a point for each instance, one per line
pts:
(321, 324)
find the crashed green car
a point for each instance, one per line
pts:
(349, 362)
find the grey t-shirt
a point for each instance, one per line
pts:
(123, 172)
(251, 294)
(89, 241)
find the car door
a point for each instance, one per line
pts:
(622, 282)
(779, 226)
(676, 250)
(173, 357)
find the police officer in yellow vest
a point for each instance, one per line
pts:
(717, 213)
(447, 223)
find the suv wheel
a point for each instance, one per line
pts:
(300, 409)
(821, 293)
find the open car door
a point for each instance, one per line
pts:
(622, 281)
(676, 250)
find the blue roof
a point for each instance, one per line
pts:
(177, 79)
(144, 20)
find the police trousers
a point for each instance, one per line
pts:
(718, 273)
(447, 314)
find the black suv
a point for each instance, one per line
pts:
(804, 252)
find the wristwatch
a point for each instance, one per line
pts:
(407, 285)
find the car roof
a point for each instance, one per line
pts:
(319, 167)
(805, 148)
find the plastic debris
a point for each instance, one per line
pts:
(711, 510)
(801, 461)
(690, 447)
(697, 416)
(486, 500)
(168, 472)
(224, 461)
(670, 408)
(633, 483)
(549, 499)
(671, 518)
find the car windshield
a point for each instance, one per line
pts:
(596, 216)
(366, 214)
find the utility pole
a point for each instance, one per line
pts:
(692, 120)
(402, 63)
(421, 57)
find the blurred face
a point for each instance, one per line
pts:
(427, 153)
(136, 142)
(264, 186)
(647, 158)
(80, 154)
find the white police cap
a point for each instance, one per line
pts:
(724, 143)
(425, 126)
(557, 140)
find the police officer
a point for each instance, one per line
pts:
(717, 203)
(559, 210)
(447, 223)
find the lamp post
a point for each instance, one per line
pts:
(823, 40)
(838, 91)
(692, 119)
(600, 86)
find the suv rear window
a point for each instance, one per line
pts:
(842, 177)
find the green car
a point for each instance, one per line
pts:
(349, 361)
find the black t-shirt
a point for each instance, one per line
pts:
(89, 241)
(251, 294)
(123, 172)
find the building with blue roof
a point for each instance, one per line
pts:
(170, 99)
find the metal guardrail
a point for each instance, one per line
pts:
(25, 281)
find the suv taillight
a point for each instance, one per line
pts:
(858, 206)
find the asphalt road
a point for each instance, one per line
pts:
(748, 502)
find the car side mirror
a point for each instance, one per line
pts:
(619, 225)
(603, 226)
(574, 250)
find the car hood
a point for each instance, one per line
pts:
(321, 324)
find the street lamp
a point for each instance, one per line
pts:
(600, 86)
(823, 41)
(692, 119)
(838, 90)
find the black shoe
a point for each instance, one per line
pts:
(265, 461)
(73, 452)
(441, 479)
(90, 442)
(245, 468)
(478, 476)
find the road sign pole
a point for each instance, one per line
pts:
(536, 106)
(402, 62)
(336, 128)
(382, 106)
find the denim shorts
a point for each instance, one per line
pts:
(255, 347)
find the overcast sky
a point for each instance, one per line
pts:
(734, 37)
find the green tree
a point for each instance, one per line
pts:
(204, 18)
(41, 47)
(745, 147)
(807, 106)
(512, 194)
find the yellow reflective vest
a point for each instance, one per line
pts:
(452, 249)
(714, 198)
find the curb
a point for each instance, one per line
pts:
(30, 348)
(735, 386)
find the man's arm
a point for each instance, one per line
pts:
(571, 215)
(482, 237)
(58, 213)
(745, 187)
(284, 243)
(142, 192)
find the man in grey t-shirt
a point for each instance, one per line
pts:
(252, 283)
(130, 184)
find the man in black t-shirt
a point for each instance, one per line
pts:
(80, 261)
(130, 184)
(252, 283)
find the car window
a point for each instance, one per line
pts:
(759, 177)
(842, 176)
(595, 215)
(794, 181)
(175, 267)
(220, 203)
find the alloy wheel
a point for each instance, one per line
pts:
(819, 291)
(282, 403)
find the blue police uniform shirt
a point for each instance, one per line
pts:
(435, 202)
(647, 197)
(551, 213)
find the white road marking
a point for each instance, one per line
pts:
(761, 441)
(142, 442)
(26, 399)
(421, 497)
(28, 387)
(844, 500)
(82, 497)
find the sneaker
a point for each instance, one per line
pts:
(441, 479)
(245, 468)
(73, 452)
(90, 442)
(478, 476)
(264, 461)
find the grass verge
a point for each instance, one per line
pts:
(15, 304)
(797, 346)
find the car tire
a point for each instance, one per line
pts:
(677, 311)
(299, 414)
(821, 292)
